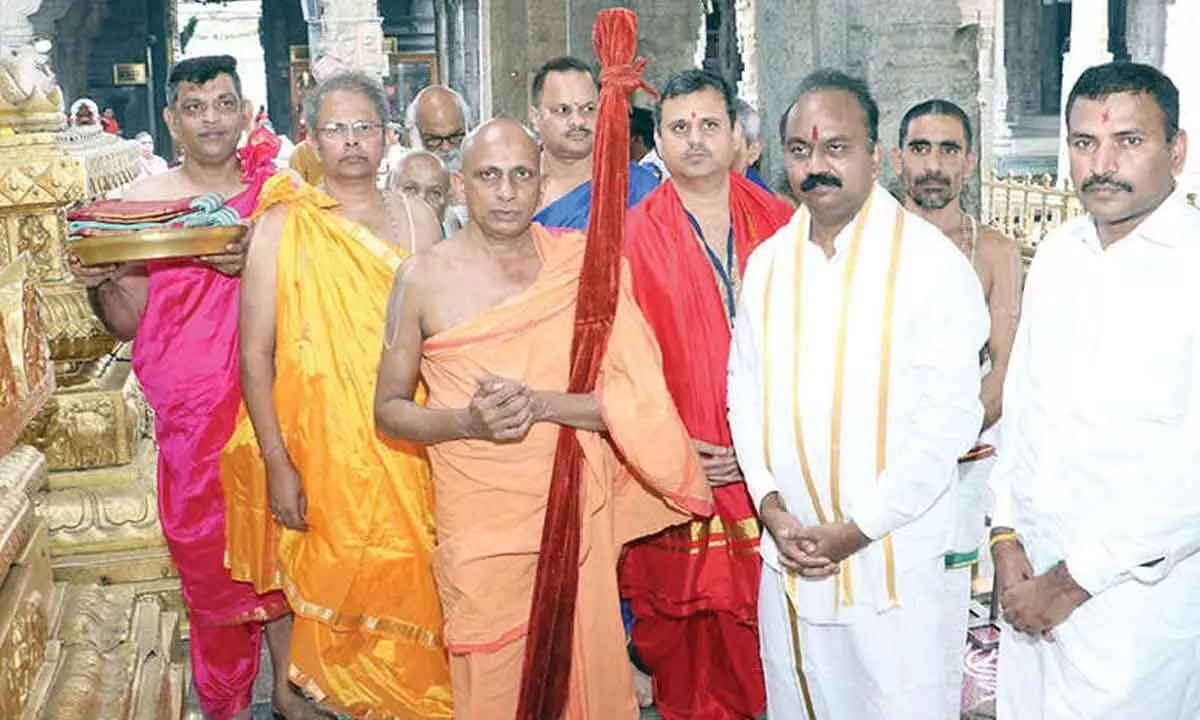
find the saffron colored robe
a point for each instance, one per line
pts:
(366, 639)
(638, 478)
(185, 356)
(694, 588)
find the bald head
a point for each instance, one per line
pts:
(421, 174)
(438, 118)
(501, 132)
(500, 180)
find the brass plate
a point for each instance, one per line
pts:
(156, 244)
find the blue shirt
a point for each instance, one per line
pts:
(572, 210)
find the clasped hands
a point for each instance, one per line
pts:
(814, 552)
(503, 410)
(1034, 604)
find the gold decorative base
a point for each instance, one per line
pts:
(24, 624)
(96, 423)
(73, 330)
(117, 568)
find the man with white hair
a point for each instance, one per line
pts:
(751, 148)
(438, 119)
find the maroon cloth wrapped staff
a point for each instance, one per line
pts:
(547, 666)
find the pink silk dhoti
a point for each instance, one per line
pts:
(185, 356)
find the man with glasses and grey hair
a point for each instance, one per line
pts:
(318, 504)
(437, 120)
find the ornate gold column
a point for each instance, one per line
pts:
(77, 500)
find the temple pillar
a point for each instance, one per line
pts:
(1181, 57)
(1088, 46)
(345, 35)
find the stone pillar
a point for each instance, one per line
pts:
(15, 30)
(1088, 46)
(992, 128)
(1147, 31)
(1181, 57)
(345, 35)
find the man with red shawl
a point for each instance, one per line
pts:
(694, 588)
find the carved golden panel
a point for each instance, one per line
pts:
(133, 566)
(16, 527)
(34, 171)
(23, 470)
(100, 519)
(26, 348)
(24, 624)
(92, 425)
(72, 329)
(143, 470)
(40, 233)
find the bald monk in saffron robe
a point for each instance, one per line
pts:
(353, 524)
(486, 318)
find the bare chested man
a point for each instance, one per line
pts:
(182, 317)
(935, 157)
(486, 319)
(421, 175)
(312, 309)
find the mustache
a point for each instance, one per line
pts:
(812, 181)
(933, 177)
(1094, 181)
(698, 150)
(579, 131)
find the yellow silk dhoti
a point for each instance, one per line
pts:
(367, 638)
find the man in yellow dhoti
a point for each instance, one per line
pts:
(498, 299)
(352, 554)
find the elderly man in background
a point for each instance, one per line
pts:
(421, 175)
(751, 147)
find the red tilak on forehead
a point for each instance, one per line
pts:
(814, 133)
(1104, 117)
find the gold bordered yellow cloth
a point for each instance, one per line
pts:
(368, 628)
(826, 498)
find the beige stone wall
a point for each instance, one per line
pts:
(526, 33)
(907, 51)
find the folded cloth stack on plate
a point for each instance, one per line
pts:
(122, 217)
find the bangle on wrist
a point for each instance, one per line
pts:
(272, 451)
(998, 538)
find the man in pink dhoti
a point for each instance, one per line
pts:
(182, 317)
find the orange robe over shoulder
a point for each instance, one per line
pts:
(367, 637)
(638, 478)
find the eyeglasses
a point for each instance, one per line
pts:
(333, 131)
(438, 142)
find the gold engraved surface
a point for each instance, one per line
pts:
(24, 624)
(23, 470)
(16, 527)
(133, 566)
(92, 425)
(72, 329)
(101, 519)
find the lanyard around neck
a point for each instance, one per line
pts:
(724, 271)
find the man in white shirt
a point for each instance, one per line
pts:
(1097, 518)
(853, 389)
